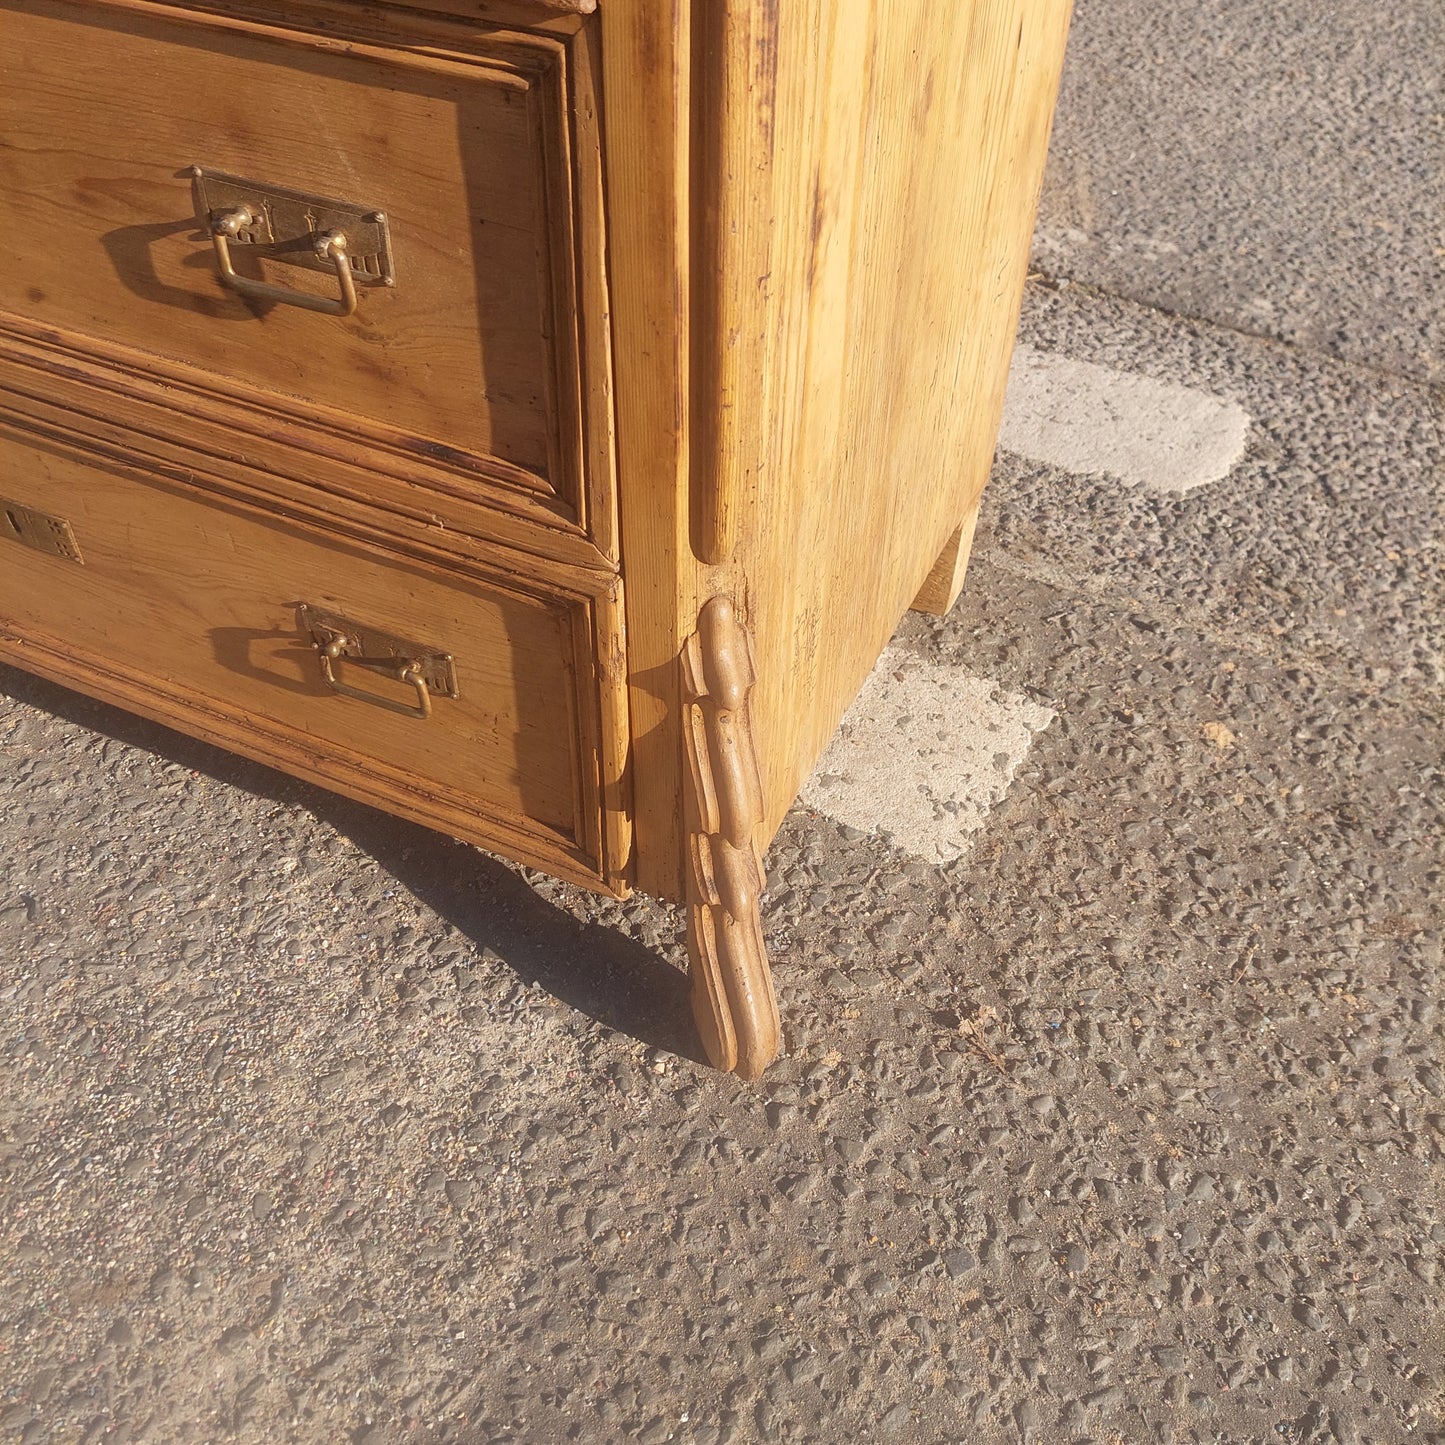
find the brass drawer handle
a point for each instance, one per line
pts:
(426, 670)
(293, 228)
(328, 246)
(404, 669)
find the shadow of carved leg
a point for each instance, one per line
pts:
(732, 986)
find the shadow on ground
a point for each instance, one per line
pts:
(596, 970)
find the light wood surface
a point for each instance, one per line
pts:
(288, 454)
(646, 126)
(944, 583)
(877, 172)
(732, 985)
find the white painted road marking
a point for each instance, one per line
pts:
(923, 754)
(1091, 419)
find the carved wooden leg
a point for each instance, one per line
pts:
(940, 591)
(732, 986)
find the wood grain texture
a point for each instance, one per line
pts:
(944, 583)
(732, 987)
(695, 303)
(734, 76)
(880, 169)
(184, 610)
(646, 129)
(477, 352)
(558, 16)
(595, 395)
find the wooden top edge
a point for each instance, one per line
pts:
(556, 17)
(509, 10)
(552, 7)
(564, 7)
(483, 8)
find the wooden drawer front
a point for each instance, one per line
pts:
(183, 606)
(472, 357)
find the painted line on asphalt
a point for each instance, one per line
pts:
(1093, 420)
(923, 755)
(925, 752)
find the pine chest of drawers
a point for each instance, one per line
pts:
(528, 419)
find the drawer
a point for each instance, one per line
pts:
(470, 702)
(473, 357)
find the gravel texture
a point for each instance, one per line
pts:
(1276, 168)
(1127, 1125)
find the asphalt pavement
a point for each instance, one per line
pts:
(1120, 1118)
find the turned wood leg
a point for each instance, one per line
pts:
(732, 985)
(942, 586)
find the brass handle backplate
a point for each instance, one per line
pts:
(427, 671)
(351, 242)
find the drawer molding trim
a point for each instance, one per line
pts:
(186, 392)
(593, 849)
(285, 459)
(355, 776)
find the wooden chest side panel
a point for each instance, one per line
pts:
(878, 164)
